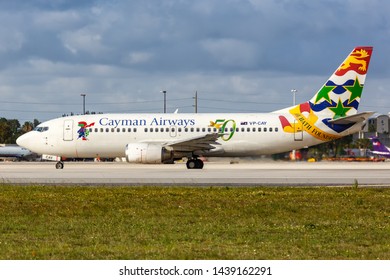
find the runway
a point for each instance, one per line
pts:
(245, 173)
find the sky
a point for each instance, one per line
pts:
(237, 55)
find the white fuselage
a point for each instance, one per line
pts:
(243, 135)
(154, 138)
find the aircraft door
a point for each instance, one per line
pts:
(68, 130)
(298, 132)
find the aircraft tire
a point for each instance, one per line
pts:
(60, 165)
(199, 164)
(191, 164)
(194, 163)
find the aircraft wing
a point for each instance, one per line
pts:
(353, 118)
(204, 142)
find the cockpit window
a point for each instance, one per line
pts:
(41, 128)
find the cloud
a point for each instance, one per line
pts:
(138, 57)
(231, 52)
(83, 40)
(238, 50)
(56, 20)
(12, 40)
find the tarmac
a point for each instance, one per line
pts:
(220, 173)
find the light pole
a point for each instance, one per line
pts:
(165, 100)
(83, 95)
(196, 102)
(293, 154)
(294, 91)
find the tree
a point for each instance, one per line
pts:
(36, 123)
(10, 130)
(4, 130)
(26, 127)
(362, 144)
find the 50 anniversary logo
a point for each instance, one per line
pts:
(221, 124)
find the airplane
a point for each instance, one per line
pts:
(330, 114)
(14, 151)
(378, 149)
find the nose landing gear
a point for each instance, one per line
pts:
(59, 165)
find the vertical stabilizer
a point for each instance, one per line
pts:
(333, 109)
(378, 148)
(340, 95)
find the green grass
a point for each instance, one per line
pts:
(38, 222)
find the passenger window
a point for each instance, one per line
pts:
(135, 130)
(151, 129)
(259, 129)
(192, 129)
(146, 129)
(118, 130)
(123, 129)
(197, 129)
(167, 129)
(129, 129)
(162, 129)
(102, 129)
(179, 129)
(107, 129)
(265, 129)
(242, 129)
(186, 129)
(248, 129)
(203, 129)
(112, 129)
(276, 129)
(96, 129)
(254, 129)
(209, 129)
(270, 129)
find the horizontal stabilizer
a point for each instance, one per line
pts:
(352, 119)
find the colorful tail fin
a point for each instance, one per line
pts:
(332, 111)
(378, 148)
(340, 95)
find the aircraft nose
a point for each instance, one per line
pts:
(23, 140)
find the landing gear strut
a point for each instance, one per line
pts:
(194, 163)
(59, 165)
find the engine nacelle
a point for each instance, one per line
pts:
(147, 153)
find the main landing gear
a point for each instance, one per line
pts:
(194, 163)
(59, 165)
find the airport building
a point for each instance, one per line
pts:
(378, 126)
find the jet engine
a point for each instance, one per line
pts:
(148, 153)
